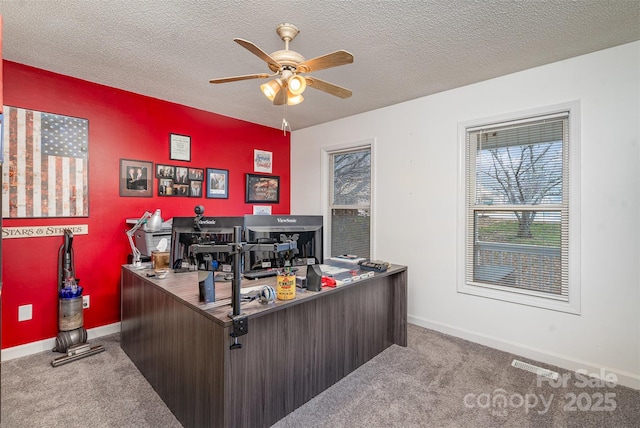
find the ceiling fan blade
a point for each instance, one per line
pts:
(236, 78)
(332, 59)
(327, 87)
(258, 52)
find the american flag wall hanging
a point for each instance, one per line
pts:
(45, 171)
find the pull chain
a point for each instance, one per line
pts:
(285, 124)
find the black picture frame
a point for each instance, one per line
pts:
(262, 189)
(182, 175)
(180, 147)
(136, 178)
(195, 188)
(165, 171)
(196, 174)
(165, 187)
(180, 189)
(217, 183)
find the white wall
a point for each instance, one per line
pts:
(416, 195)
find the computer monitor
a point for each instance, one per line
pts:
(186, 231)
(305, 230)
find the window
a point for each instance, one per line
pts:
(518, 179)
(350, 202)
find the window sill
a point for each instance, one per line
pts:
(520, 297)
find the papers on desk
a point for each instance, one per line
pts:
(353, 278)
(347, 258)
(332, 270)
(344, 275)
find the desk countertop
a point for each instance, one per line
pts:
(184, 286)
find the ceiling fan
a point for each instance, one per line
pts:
(288, 66)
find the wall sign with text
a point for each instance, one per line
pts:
(42, 231)
(263, 188)
(179, 147)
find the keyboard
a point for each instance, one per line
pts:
(256, 274)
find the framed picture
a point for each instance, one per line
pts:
(263, 188)
(182, 175)
(196, 174)
(37, 141)
(180, 147)
(165, 187)
(262, 210)
(136, 178)
(217, 183)
(262, 161)
(165, 171)
(195, 188)
(180, 189)
(1, 138)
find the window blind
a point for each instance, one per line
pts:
(518, 206)
(350, 202)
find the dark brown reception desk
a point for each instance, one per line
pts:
(294, 349)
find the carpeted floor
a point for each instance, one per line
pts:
(103, 390)
(443, 381)
(437, 381)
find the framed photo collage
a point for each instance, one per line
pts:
(192, 182)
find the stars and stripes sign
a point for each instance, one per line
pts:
(45, 165)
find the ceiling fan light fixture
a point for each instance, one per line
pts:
(288, 68)
(296, 85)
(271, 88)
(293, 100)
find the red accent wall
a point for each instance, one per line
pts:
(121, 125)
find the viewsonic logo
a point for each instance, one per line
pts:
(209, 221)
(287, 220)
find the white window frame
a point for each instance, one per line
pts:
(327, 189)
(572, 305)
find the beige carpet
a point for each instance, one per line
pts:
(437, 381)
(103, 390)
(442, 381)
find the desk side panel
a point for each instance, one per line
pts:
(290, 356)
(179, 351)
(400, 301)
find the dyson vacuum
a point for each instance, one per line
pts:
(72, 336)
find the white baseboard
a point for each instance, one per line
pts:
(49, 344)
(627, 379)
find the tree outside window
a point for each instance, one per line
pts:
(517, 206)
(350, 202)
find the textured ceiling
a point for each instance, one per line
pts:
(170, 49)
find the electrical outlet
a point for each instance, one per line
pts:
(85, 302)
(25, 312)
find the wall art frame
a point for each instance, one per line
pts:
(262, 189)
(217, 183)
(136, 178)
(165, 187)
(196, 174)
(262, 161)
(195, 188)
(61, 188)
(165, 171)
(182, 175)
(180, 147)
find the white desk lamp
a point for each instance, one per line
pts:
(151, 223)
